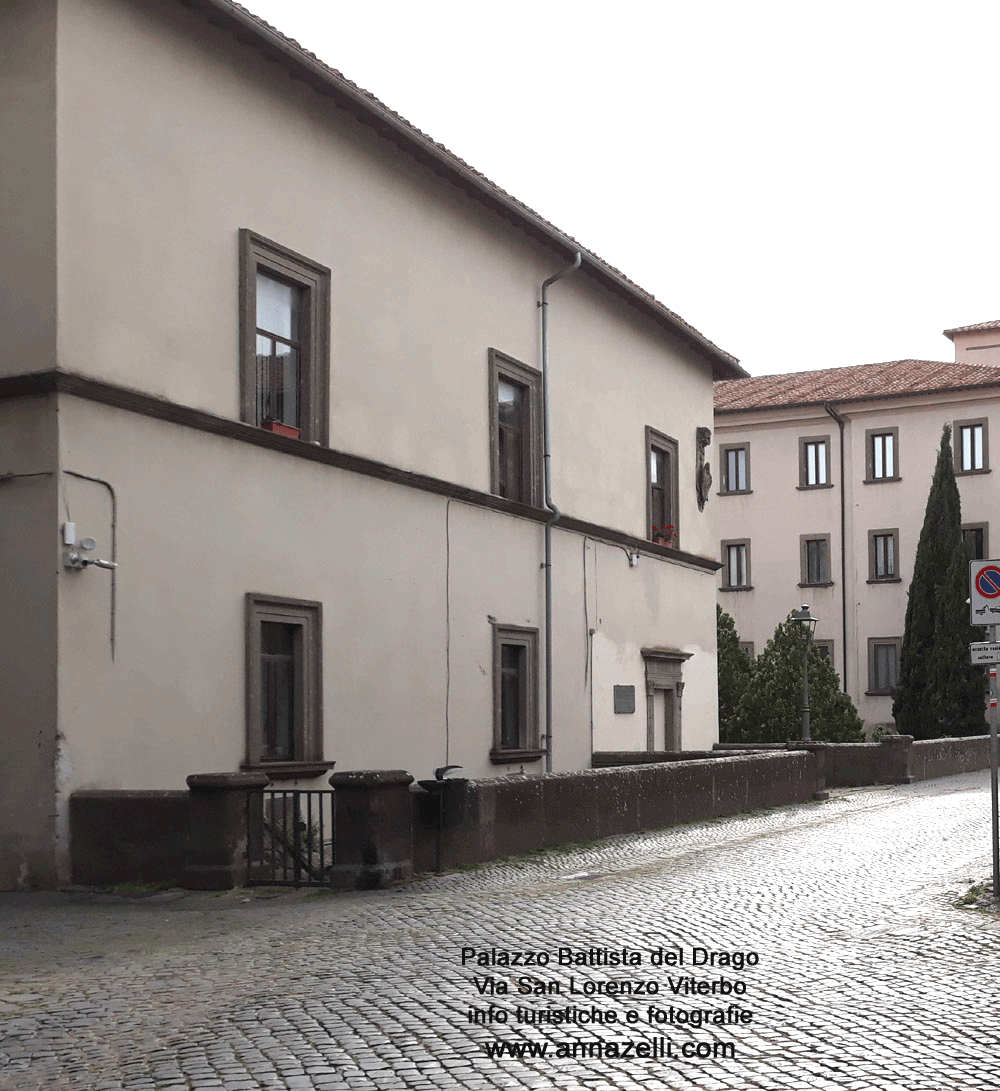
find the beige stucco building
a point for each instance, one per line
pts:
(822, 482)
(275, 355)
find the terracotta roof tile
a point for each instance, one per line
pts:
(846, 384)
(730, 363)
(972, 329)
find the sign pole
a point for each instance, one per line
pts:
(984, 608)
(994, 632)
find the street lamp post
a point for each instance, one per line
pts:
(808, 623)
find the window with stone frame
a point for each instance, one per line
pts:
(971, 446)
(515, 429)
(662, 516)
(284, 340)
(883, 665)
(882, 454)
(735, 459)
(284, 692)
(814, 550)
(883, 556)
(814, 462)
(976, 537)
(736, 565)
(515, 695)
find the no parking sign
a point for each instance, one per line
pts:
(984, 592)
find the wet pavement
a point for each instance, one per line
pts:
(815, 947)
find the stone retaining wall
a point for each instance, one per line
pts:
(931, 758)
(162, 837)
(897, 759)
(515, 815)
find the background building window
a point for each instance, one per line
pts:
(284, 682)
(882, 454)
(515, 429)
(883, 555)
(515, 694)
(736, 565)
(976, 538)
(747, 646)
(284, 339)
(824, 649)
(736, 468)
(971, 439)
(883, 664)
(814, 462)
(814, 551)
(661, 488)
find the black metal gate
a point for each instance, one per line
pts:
(291, 837)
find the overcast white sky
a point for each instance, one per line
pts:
(809, 184)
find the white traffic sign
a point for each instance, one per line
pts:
(984, 592)
(984, 652)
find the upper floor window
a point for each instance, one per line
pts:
(814, 462)
(971, 446)
(882, 454)
(515, 429)
(736, 468)
(661, 488)
(883, 553)
(976, 537)
(736, 565)
(815, 558)
(284, 354)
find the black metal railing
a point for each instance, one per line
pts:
(291, 837)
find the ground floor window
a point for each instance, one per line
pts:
(284, 684)
(883, 664)
(515, 694)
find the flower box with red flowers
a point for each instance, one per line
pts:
(664, 536)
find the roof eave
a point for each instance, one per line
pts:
(389, 125)
(980, 327)
(819, 403)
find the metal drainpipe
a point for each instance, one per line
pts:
(843, 543)
(555, 513)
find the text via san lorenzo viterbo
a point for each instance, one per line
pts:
(653, 1003)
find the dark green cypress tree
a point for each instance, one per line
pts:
(734, 674)
(938, 691)
(956, 689)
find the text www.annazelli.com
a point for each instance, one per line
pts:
(649, 1048)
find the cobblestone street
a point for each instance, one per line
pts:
(866, 976)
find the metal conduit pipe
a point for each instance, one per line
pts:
(553, 510)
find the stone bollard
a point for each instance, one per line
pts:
(894, 760)
(217, 829)
(374, 828)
